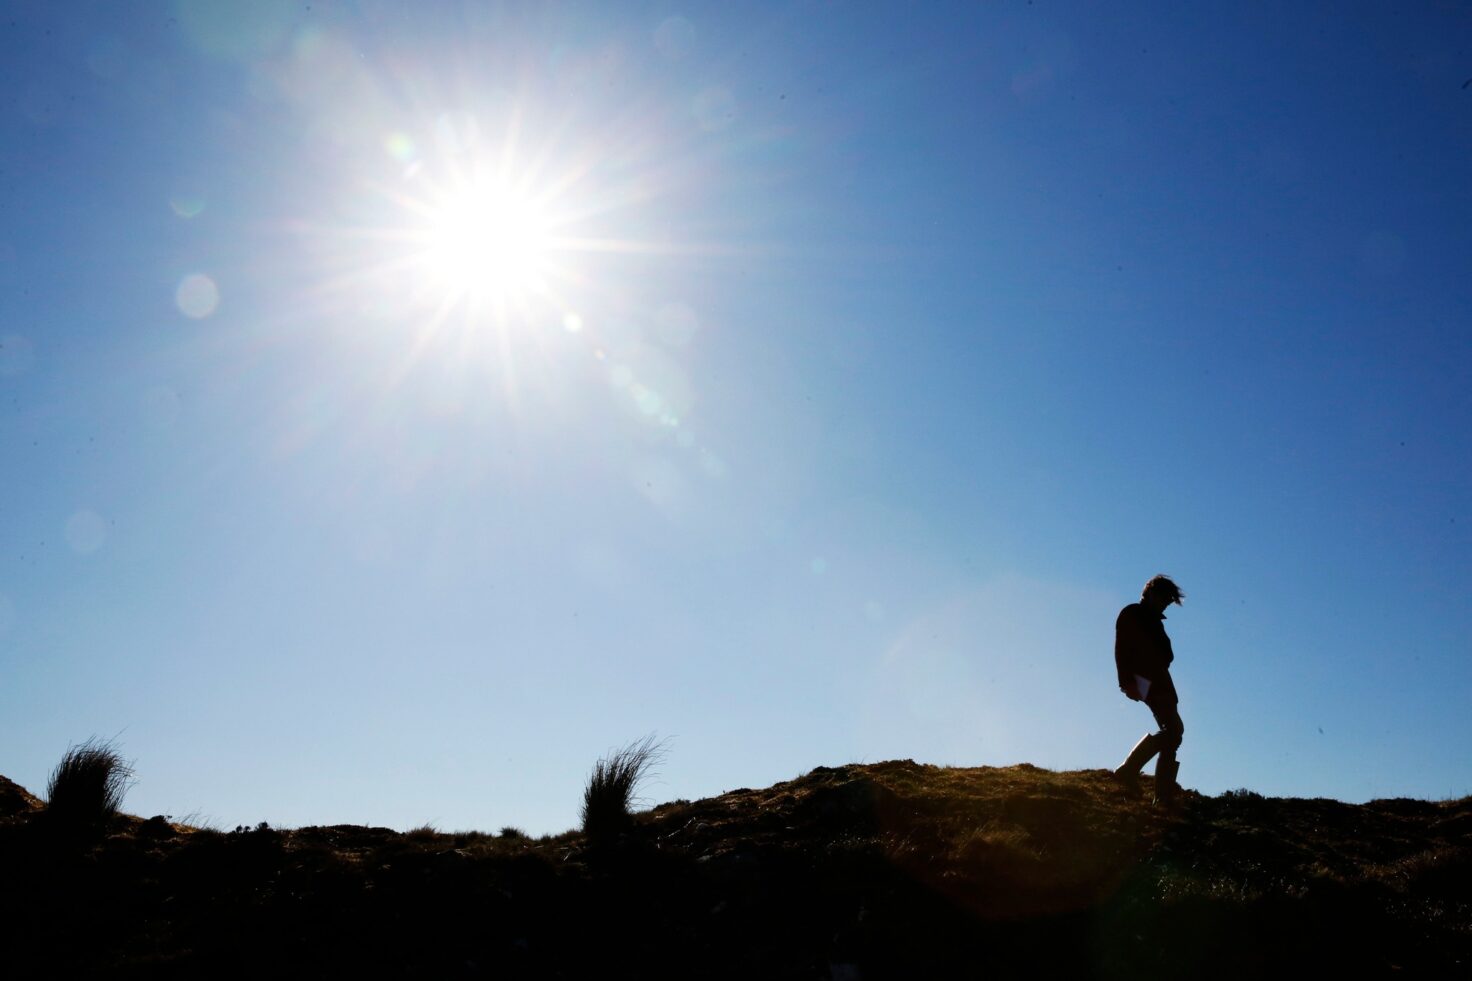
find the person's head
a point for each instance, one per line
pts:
(1160, 592)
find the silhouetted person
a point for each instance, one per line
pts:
(1142, 654)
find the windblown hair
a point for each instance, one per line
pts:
(1166, 586)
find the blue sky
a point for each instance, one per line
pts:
(831, 376)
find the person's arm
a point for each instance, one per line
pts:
(1127, 684)
(1126, 648)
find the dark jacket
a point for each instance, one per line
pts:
(1142, 648)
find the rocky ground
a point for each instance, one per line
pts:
(891, 870)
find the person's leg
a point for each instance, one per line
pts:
(1129, 771)
(1169, 736)
(1171, 731)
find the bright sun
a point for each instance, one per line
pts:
(478, 236)
(487, 241)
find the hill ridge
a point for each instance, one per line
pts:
(860, 871)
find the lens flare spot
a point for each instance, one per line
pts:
(646, 399)
(572, 323)
(400, 147)
(187, 205)
(197, 296)
(86, 532)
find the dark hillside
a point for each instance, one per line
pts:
(894, 870)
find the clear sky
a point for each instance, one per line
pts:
(402, 405)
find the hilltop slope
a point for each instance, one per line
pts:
(887, 870)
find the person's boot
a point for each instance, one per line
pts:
(1128, 772)
(1165, 782)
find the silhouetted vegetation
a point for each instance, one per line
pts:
(88, 785)
(891, 870)
(609, 797)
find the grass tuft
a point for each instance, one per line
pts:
(88, 785)
(425, 832)
(609, 797)
(1242, 793)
